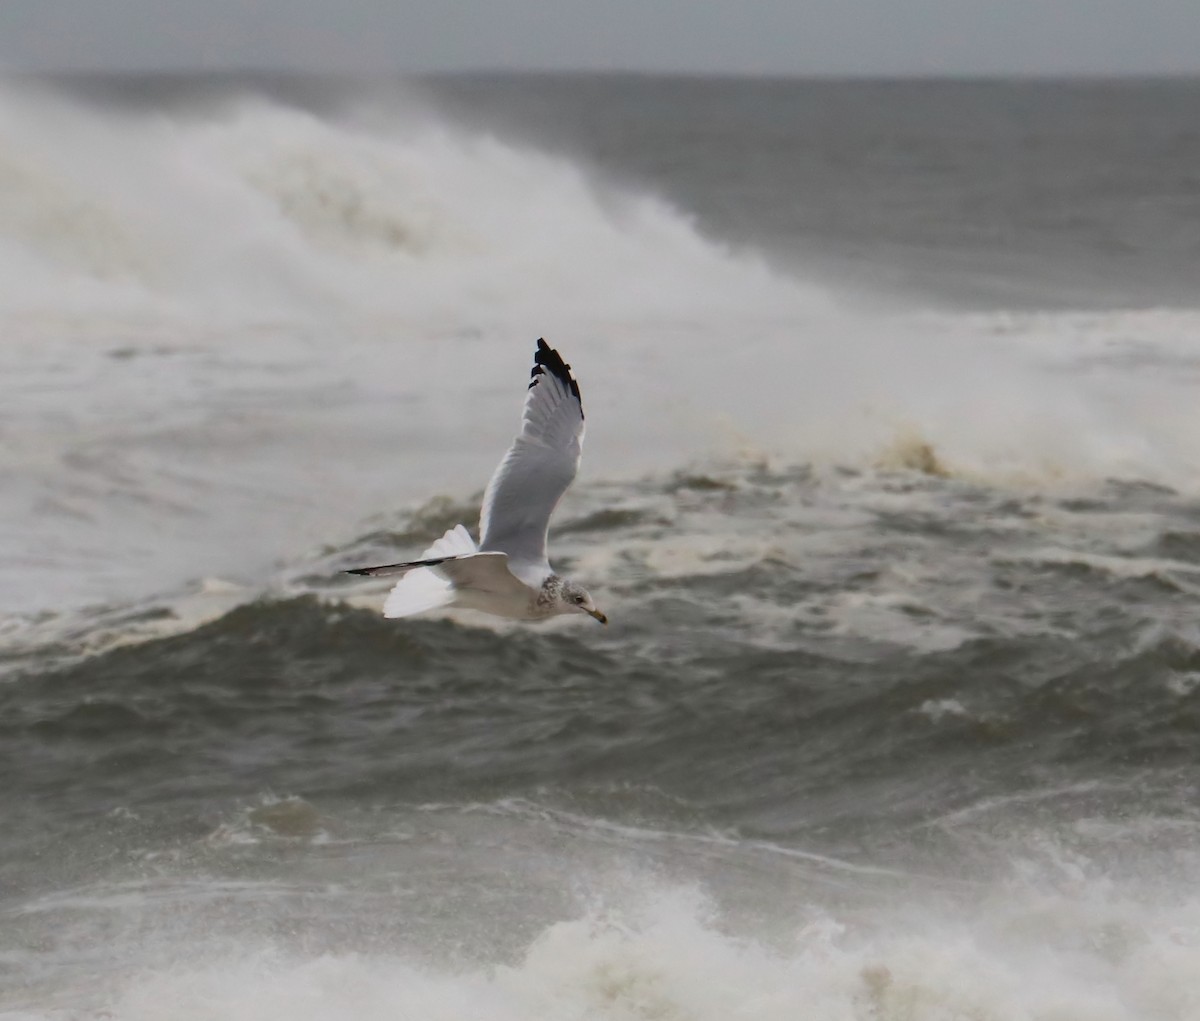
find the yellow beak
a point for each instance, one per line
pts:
(599, 616)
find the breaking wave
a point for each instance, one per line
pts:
(223, 224)
(213, 311)
(256, 209)
(1020, 950)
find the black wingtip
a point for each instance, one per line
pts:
(546, 359)
(401, 568)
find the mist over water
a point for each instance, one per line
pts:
(889, 491)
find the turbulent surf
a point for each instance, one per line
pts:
(891, 497)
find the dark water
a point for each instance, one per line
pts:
(988, 193)
(888, 493)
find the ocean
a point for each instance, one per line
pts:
(891, 493)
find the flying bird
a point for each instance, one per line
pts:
(508, 574)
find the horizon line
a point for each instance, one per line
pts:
(350, 74)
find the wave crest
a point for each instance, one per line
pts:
(259, 208)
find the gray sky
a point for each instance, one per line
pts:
(739, 36)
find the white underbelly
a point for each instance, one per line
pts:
(500, 606)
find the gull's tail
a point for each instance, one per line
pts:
(420, 589)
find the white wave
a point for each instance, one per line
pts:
(265, 211)
(297, 305)
(191, 229)
(1076, 956)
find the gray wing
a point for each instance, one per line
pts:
(483, 572)
(538, 467)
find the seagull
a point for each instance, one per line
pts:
(508, 573)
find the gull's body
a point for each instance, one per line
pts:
(508, 574)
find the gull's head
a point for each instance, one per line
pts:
(574, 599)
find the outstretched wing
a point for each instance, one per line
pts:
(456, 542)
(538, 467)
(421, 588)
(480, 581)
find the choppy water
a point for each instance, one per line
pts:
(889, 492)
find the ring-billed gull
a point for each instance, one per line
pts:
(508, 573)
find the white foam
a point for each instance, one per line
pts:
(197, 229)
(317, 318)
(1051, 957)
(261, 211)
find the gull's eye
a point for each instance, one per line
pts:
(579, 600)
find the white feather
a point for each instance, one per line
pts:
(421, 589)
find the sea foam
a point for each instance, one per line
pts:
(215, 315)
(1067, 957)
